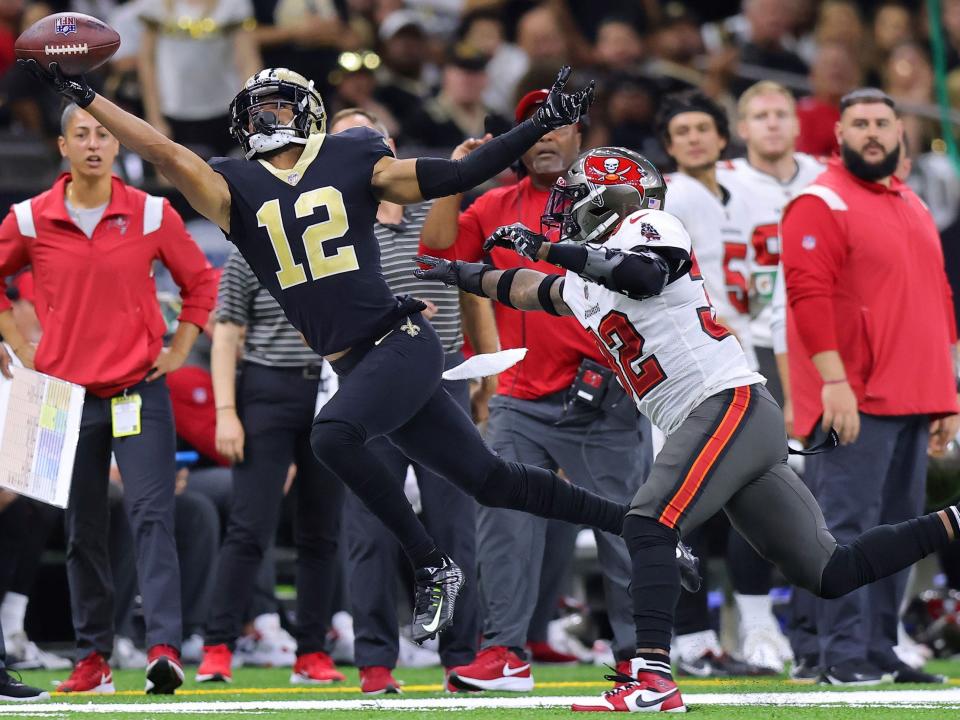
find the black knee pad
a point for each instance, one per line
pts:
(329, 436)
(642, 533)
(498, 486)
(840, 575)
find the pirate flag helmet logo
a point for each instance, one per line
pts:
(602, 187)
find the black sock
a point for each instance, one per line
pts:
(339, 446)
(655, 580)
(544, 493)
(881, 551)
(656, 663)
(953, 515)
(432, 559)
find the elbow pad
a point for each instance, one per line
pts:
(637, 275)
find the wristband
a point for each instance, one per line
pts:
(503, 286)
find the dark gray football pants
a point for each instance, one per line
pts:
(730, 454)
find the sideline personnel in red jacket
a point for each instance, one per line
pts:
(870, 333)
(91, 241)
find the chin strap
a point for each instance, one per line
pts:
(262, 143)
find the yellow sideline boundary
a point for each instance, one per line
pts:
(946, 699)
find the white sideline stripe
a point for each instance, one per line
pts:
(867, 698)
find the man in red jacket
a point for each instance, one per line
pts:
(92, 241)
(871, 334)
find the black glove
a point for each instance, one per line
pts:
(562, 108)
(72, 87)
(517, 237)
(466, 276)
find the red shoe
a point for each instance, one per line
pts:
(542, 652)
(449, 686)
(315, 669)
(624, 673)
(495, 668)
(90, 675)
(378, 680)
(217, 664)
(649, 692)
(164, 671)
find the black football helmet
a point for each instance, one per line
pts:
(254, 112)
(602, 187)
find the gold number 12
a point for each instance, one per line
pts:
(335, 226)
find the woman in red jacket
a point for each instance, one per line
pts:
(91, 241)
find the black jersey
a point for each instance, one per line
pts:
(307, 234)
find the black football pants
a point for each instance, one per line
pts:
(392, 387)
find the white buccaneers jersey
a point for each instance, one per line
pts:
(667, 350)
(751, 271)
(714, 224)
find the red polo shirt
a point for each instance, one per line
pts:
(555, 345)
(95, 297)
(864, 274)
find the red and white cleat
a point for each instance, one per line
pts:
(164, 671)
(641, 691)
(315, 669)
(217, 664)
(90, 675)
(495, 668)
(378, 680)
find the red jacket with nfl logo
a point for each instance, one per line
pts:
(95, 297)
(864, 275)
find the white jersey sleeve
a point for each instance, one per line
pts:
(651, 229)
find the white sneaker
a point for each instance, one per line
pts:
(274, 646)
(412, 655)
(126, 655)
(763, 646)
(23, 654)
(911, 652)
(341, 635)
(191, 652)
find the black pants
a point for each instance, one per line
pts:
(450, 515)
(276, 408)
(392, 387)
(146, 463)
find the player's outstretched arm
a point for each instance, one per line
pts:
(408, 181)
(638, 274)
(205, 189)
(519, 288)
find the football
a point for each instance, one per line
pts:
(78, 42)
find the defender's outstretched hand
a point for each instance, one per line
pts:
(562, 108)
(74, 88)
(517, 237)
(464, 275)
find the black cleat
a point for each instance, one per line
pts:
(436, 596)
(689, 568)
(711, 664)
(855, 673)
(903, 673)
(12, 690)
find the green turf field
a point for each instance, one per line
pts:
(267, 693)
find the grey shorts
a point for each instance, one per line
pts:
(730, 454)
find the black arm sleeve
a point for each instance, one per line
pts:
(638, 274)
(438, 177)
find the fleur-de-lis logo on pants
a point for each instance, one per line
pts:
(410, 329)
